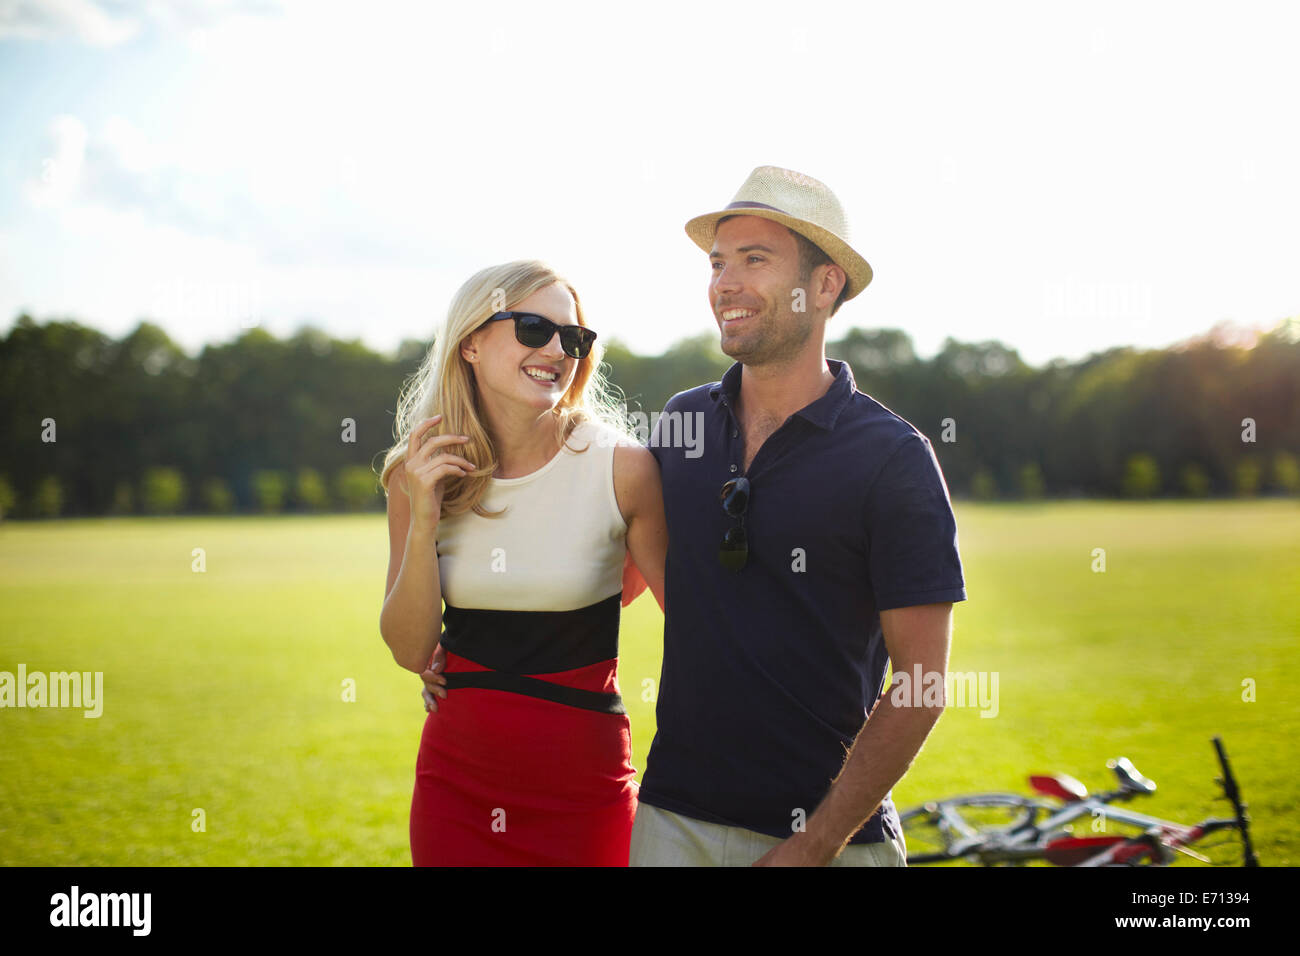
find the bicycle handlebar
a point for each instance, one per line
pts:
(1231, 791)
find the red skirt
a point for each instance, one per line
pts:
(503, 779)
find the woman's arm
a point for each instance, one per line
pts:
(411, 619)
(640, 499)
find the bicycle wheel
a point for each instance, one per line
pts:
(943, 830)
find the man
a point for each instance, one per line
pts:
(809, 543)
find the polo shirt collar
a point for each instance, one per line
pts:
(730, 385)
(822, 413)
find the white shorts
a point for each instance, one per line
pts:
(661, 838)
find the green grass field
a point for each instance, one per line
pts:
(223, 690)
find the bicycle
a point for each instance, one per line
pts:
(1009, 828)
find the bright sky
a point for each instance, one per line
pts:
(1062, 177)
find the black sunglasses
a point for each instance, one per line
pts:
(734, 551)
(534, 331)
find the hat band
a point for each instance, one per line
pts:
(755, 205)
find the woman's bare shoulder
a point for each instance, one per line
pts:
(636, 478)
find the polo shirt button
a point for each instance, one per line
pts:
(733, 468)
(735, 434)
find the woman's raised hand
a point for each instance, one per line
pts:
(428, 466)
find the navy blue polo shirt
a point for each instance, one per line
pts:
(770, 671)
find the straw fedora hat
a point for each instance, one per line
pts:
(801, 204)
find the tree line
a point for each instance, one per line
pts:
(91, 425)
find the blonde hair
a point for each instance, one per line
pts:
(444, 383)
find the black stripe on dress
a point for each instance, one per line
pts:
(515, 644)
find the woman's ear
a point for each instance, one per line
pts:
(469, 347)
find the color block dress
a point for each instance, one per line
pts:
(528, 760)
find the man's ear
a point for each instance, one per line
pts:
(828, 290)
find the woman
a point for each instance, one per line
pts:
(521, 505)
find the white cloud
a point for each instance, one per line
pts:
(132, 147)
(81, 20)
(62, 166)
(113, 22)
(292, 216)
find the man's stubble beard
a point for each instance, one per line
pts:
(769, 344)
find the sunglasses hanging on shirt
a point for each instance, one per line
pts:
(734, 551)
